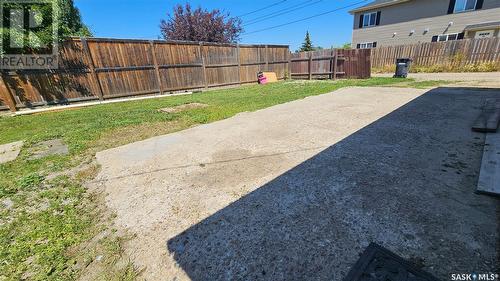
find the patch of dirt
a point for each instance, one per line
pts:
(182, 107)
(7, 204)
(87, 172)
(122, 136)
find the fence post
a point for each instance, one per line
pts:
(267, 58)
(239, 62)
(289, 65)
(416, 52)
(157, 68)
(335, 64)
(330, 66)
(368, 64)
(309, 65)
(86, 50)
(203, 66)
(6, 94)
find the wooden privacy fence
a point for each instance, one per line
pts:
(97, 68)
(330, 64)
(461, 52)
(94, 68)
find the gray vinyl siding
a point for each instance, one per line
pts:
(419, 15)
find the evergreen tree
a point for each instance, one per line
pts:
(307, 45)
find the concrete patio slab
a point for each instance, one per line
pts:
(48, 148)
(296, 191)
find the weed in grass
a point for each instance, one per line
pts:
(33, 244)
(30, 181)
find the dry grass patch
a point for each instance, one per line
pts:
(124, 135)
(182, 107)
(447, 67)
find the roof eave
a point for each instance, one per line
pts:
(477, 27)
(376, 6)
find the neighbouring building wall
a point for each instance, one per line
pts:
(421, 15)
(472, 34)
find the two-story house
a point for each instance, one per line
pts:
(398, 22)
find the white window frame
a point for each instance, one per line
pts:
(367, 19)
(366, 45)
(456, 9)
(447, 37)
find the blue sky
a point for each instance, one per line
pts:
(141, 19)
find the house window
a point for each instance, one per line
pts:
(447, 37)
(367, 45)
(369, 19)
(464, 5)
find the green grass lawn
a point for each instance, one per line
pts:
(47, 217)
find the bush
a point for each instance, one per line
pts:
(455, 65)
(384, 69)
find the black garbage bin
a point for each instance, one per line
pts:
(402, 67)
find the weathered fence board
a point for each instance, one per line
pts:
(462, 52)
(331, 64)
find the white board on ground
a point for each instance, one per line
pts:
(489, 176)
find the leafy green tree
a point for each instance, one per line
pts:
(70, 21)
(345, 46)
(307, 45)
(200, 24)
(66, 16)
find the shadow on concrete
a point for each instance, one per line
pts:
(405, 181)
